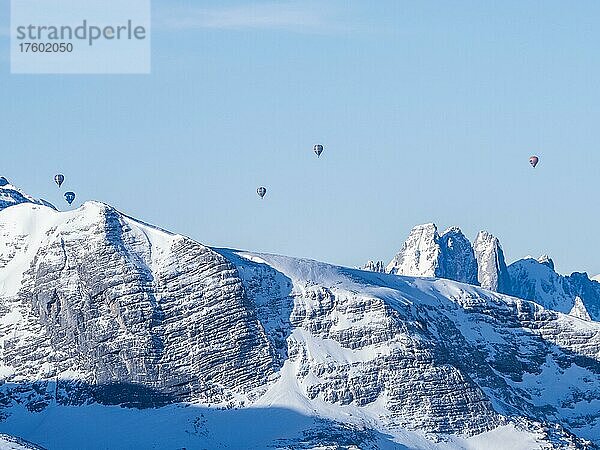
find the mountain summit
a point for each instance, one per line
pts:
(425, 253)
(98, 309)
(11, 195)
(492, 272)
(429, 254)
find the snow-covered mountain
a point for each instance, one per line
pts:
(538, 281)
(429, 254)
(244, 350)
(374, 266)
(425, 253)
(451, 256)
(11, 195)
(492, 272)
(14, 443)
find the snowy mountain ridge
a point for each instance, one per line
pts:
(11, 195)
(424, 254)
(99, 310)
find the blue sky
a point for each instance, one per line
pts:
(429, 112)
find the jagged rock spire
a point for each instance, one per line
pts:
(492, 272)
(419, 256)
(426, 253)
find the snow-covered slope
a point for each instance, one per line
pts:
(11, 195)
(8, 442)
(99, 309)
(94, 295)
(450, 255)
(538, 281)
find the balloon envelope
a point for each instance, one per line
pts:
(261, 191)
(318, 149)
(69, 197)
(59, 179)
(534, 160)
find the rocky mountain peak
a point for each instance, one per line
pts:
(426, 253)
(11, 195)
(419, 255)
(537, 280)
(547, 261)
(458, 259)
(374, 266)
(450, 255)
(491, 265)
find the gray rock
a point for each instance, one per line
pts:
(177, 322)
(373, 266)
(111, 310)
(492, 270)
(537, 280)
(428, 254)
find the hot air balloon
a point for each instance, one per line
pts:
(69, 197)
(534, 160)
(318, 149)
(261, 191)
(59, 179)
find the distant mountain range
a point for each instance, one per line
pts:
(450, 255)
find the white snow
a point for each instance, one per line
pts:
(504, 438)
(284, 410)
(29, 226)
(8, 442)
(579, 310)
(189, 426)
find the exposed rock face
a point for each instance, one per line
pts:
(539, 282)
(170, 315)
(546, 261)
(429, 254)
(420, 254)
(373, 266)
(458, 259)
(98, 307)
(450, 255)
(405, 371)
(588, 290)
(424, 350)
(492, 270)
